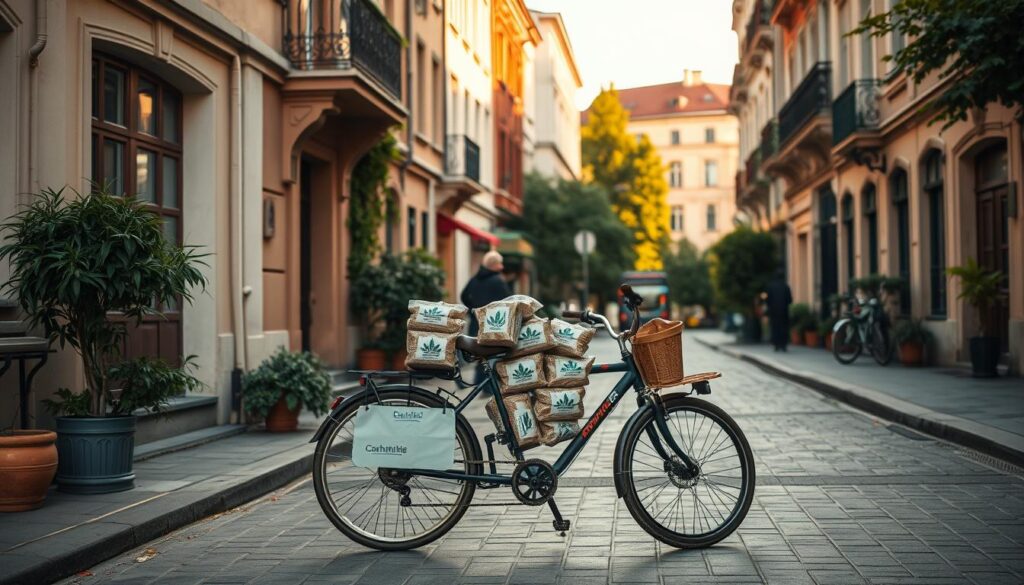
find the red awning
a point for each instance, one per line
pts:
(446, 225)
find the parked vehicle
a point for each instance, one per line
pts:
(863, 326)
(653, 287)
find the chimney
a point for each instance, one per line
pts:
(691, 77)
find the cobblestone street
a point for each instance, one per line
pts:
(841, 497)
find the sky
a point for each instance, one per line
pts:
(645, 42)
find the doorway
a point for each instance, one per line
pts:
(829, 269)
(992, 197)
(305, 251)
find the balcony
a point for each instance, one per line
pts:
(753, 164)
(344, 35)
(758, 31)
(812, 98)
(463, 157)
(769, 140)
(856, 119)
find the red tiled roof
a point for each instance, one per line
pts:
(672, 98)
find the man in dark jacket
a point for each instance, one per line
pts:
(486, 287)
(778, 299)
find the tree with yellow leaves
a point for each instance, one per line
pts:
(632, 172)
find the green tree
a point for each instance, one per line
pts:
(632, 172)
(689, 277)
(977, 43)
(742, 263)
(552, 214)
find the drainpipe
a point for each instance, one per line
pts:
(237, 257)
(408, 97)
(33, 90)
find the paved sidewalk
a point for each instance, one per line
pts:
(984, 414)
(73, 532)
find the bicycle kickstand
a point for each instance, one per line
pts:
(560, 524)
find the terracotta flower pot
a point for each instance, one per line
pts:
(281, 419)
(398, 360)
(28, 462)
(911, 353)
(796, 338)
(811, 338)
(371, 359)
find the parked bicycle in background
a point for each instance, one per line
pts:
(863, 326)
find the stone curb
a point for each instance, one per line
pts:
(974, 435)
(42, 562)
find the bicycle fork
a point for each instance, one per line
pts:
(677, 462)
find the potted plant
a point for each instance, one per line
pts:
(382, 298)
(74, 262)
(981, 289)
(282, 385)
(28, 461)
(911, 337)
(798, 313)
(810, 329)
(825, 331)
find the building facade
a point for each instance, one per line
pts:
(869, 185)
(697, 138)
(551, 102)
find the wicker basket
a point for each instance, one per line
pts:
(658, 351)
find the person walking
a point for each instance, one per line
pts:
(487, 286)
(778, 299)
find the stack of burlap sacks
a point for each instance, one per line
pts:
(543, 377)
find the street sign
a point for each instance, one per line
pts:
(585, 242)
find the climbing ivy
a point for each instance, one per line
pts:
(369, 205)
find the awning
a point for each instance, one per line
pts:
(446, 225)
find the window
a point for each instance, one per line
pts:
(867, 51)
(712, 219)
(710, 173)
(709, 135)
(848, 239)
(437, 124)
(901, 205)
(675, 176)
(869, 199)
(677, 218)
(421, 88)
(411, 219)
(844, 46)
(675, 137)
(425, 230)
(137, 149)
(934, 193)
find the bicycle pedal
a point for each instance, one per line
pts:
(560, 526)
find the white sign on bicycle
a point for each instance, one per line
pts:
(403, 437)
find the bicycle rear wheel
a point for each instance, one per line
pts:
(688, 512)
(367, 504)
(846, 345)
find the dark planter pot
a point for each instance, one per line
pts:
(985, 356)
(95, 454)
(398, 360)
(796, 337)
(282, 420)
(811, 338)
(912, 353)
(371, 359)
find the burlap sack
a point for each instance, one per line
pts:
(528, 306)
(558, 403)
(521, 374)
(567, 372)
(440, 317)
(534, 337)
(553, 433)
(523, 423)
(570, 340)
(430, 350)
(499, 323)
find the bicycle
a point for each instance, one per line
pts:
(863, 326)
(682, 465)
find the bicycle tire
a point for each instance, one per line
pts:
(881, 350)
(634, 501)
(466, 439)
(843, 332)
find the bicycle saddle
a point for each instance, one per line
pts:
(470, 345)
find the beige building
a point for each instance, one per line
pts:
(241, 122)
(869, 187)
(697, 139)
(551, 102)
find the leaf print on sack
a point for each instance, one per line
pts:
(433, 314)
(570, 368)
(525, 420)
(566, 402)
(566, 333)
(529, 335)
(430, 350)
(523, 374)
(564, 430)
(497, 320)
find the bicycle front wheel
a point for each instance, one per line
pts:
(846, 344)
(390, 509)
(681, 511)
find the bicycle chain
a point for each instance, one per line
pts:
(495, 461)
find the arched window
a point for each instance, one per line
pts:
(934, 193)
(901, 208)
(137, 149)
(848, 239)
(992, 190)
(869, 201)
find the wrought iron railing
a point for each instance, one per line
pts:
(753, 163)
(463, 157)
(812, 97)
(856, 109)
(761, 16)
(339, 34)
(769, 139)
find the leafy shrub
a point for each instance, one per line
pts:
(798, 315)
(299, 377)
(911, 331)
(742, 264)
